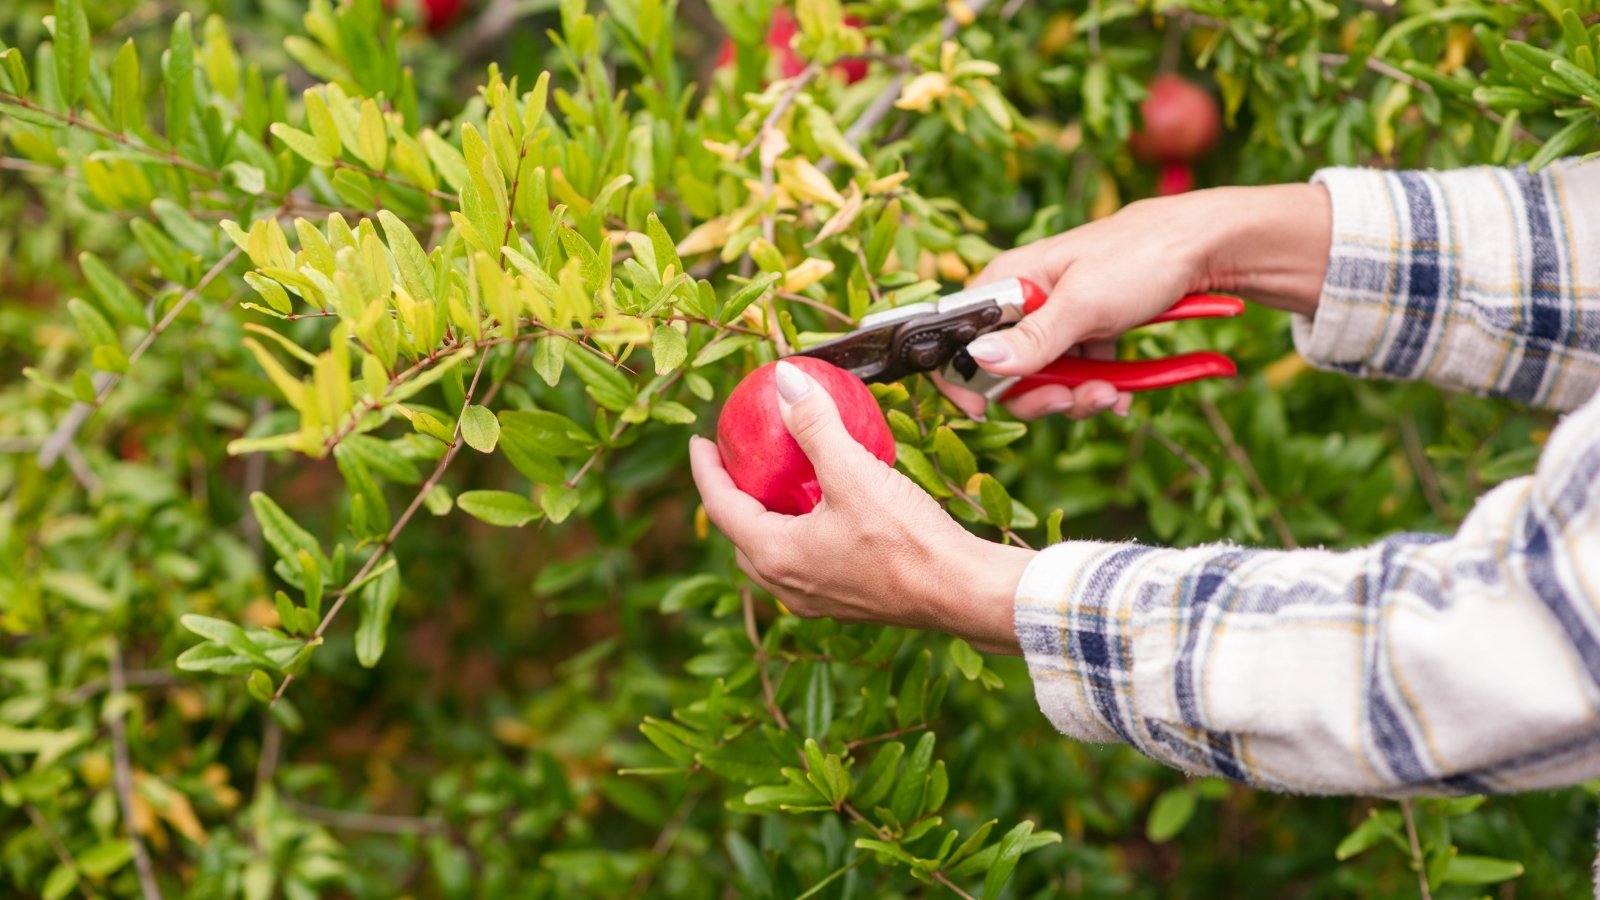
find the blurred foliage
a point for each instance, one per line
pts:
(305, 305)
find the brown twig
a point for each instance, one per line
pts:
(767, 690)
(1416, 850)
(1378, 66)
(123, 775)
(887, 735)
(75, 121)
(43, 824)
(1241, 457)
(1177, 449)
(374, 823)
(785, 100)
(664, 842)
(399, 524)
(105, 382)
(1417, 455)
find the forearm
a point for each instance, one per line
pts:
(1270, 244)
(1421, 664)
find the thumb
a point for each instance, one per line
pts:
(1038, 340)
(813, 420)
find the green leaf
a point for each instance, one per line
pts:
(303, 144)
(178, 79)
(1377, 826)
(372, 137)
(669, 347)
(106, 857)
(914, 463)
(606, 384)
(479, 428)
(114, 294)
(416, 272)
(260, 686)
(558, 501)
(967, 660)
(666, 248)
(955, 460)
(875, 782)
(819, 701)
(228, 635)
(1576, 134)
(913, 697)
(501, 508)
(377, 603)
(750, 293)
(72, 50)
(1052, 526)
(61, 881)
(995, 501)
(1481, 870)
(1005, 861)
(1172, 811)
(906, 799)
(93, 326)
(282, 532)
(747, 860)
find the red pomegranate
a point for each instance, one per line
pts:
(1176, 178)
(780, 38)
(1181, 121)
(763, 458)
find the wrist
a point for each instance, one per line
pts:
(1271, 243)
(980, 608)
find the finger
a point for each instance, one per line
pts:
(813, 420)
(1039, 339)
(1092, 398)
(749, 569)
(740, 516)
(1042, 401)
(969, 401)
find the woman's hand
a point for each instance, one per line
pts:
(876, 549)
(1269, 243)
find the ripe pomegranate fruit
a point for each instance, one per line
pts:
(439, 14)
(763, 458)
(1181, 121)
(1176, 178)
(780, 37)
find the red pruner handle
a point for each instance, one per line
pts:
(1201, 306)
(1192, 306)
(1128, 375)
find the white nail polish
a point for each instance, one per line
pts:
(792, 383)
(989, 349)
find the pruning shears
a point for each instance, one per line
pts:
(932, 336)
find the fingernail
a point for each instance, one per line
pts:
(793, 384)
(989, 349)
(1105, 403)
(1060, 406)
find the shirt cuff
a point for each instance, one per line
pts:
(1360, 293)
(1072, 624)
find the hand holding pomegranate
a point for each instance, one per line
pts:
(876, 548)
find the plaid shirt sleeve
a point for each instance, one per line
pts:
(1423, 663)
(1484, 280)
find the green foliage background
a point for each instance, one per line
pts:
(588, 700)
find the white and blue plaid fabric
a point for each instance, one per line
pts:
(1423, 663)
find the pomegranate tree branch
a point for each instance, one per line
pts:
(123, 775)
(105, 382)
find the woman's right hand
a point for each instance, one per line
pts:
(1106, 277)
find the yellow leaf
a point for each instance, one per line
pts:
(806, 274)
(887, 182)
(952, 267)
(706, 237)
(373, 136)
(960, 12)
(921, 92)
(1284, 370)
(728, 151)
(804, 180)
(841, 220)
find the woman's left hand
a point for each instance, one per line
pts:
(876, 549)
